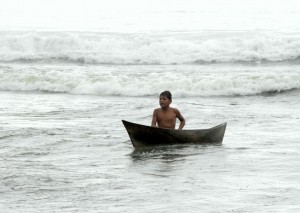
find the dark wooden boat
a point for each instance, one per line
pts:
(141, 135)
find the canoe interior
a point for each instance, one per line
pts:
(141, 135)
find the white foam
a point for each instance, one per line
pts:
(138, 81)
(171, 48)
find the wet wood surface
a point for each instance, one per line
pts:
(141, 135)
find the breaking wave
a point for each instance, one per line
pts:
(149, 48)
(144, 83)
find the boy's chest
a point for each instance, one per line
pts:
(170, 115)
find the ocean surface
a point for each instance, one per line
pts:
(66, 85)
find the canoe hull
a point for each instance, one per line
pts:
(141, 135)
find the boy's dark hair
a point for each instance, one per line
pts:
(167, 94)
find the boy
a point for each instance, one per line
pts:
(165, 117)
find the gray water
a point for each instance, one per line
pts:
(69, 73)
(70, 153)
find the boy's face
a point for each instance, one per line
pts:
(164, 102)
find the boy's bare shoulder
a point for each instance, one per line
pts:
(157, 109)
(175, 109)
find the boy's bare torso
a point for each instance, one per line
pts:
(166, 118)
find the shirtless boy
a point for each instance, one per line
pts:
(165, 117)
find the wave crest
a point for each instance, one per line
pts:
(90, 81)
(171, 48)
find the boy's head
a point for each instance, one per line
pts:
(167, 94)
(165, 99)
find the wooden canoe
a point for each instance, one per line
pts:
(141, 135)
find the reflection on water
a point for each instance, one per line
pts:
(170, 153)
(176, 160)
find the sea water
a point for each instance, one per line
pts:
(65, 87)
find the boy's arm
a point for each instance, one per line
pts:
(181, 118)
(154, 119)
